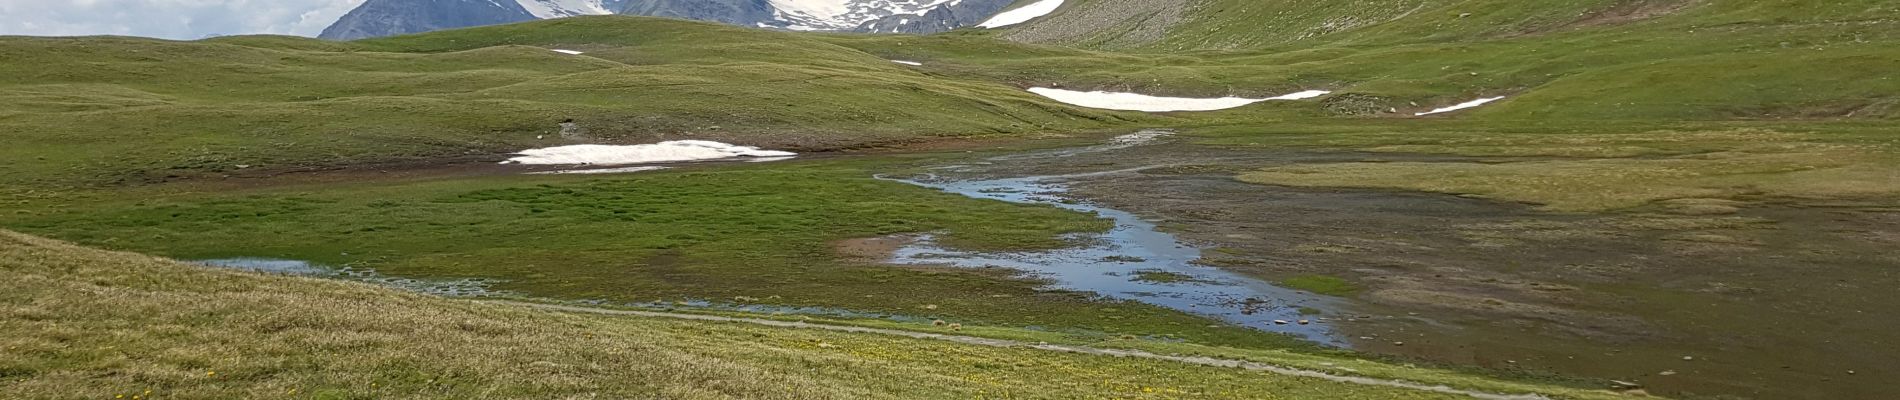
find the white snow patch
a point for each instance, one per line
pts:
(600, 171)
(547, 9)
(1302, 95)
(1142, 102)
(1461, 106)
(673, 151)
(1021, 15)
(819, 9)
(910, 63)
(569, 52)
(840, 15)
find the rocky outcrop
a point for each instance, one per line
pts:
(1116, 23)
(735, 12)
(941, 19)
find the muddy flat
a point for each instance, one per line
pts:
(1761, 299)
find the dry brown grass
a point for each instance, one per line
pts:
(82, 323)
(1802, 170)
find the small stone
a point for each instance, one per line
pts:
(1304, 322)
(1667, 373)
(1625, 385)
(1850, 372)
(1398, 343)
(1688, 358)
(1279, 322)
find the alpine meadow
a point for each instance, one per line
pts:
(921, 199)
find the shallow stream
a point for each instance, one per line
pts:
(1134, 261)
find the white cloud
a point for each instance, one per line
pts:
(170, 19)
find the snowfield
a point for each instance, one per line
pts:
(1142, 102)
(822, 15)
(1021, 15)
(673, 151)
(1461, 106)
(545, 9)
(801, 15)
(568, 52)
(600, 171)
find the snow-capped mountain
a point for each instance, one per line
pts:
(395, 17)
(545, 9)
(842, 15)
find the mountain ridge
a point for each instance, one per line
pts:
(378, 18)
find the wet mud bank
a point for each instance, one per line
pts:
(1763, 300)
(465, 287)
(1133, 261)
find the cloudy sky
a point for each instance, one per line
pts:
(170, 19)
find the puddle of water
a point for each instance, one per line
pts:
(470, 287)
(1114, 264)
(270, 265)
(764, 309)
(1117, 143)
(477, 287)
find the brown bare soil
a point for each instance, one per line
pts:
(1760, 298)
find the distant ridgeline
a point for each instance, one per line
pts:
(395, 17)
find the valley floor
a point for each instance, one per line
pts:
(84, 323)
(1460, 279)
(1693, 199)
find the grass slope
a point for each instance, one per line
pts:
(82, 323)
(1777, 99)
(764, 233)
(1565, 60)
(114, 109)
(1613, 105)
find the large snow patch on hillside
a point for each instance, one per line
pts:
(673, 151)
(1461, 106)
(1023, 14)
(546, 9)
(1142, 102)
(818, 15)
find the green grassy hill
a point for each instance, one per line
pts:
(1559, 60)
(105, 109)
(1197, 25)
(155, 110)
(190, 150)
(82, 323)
